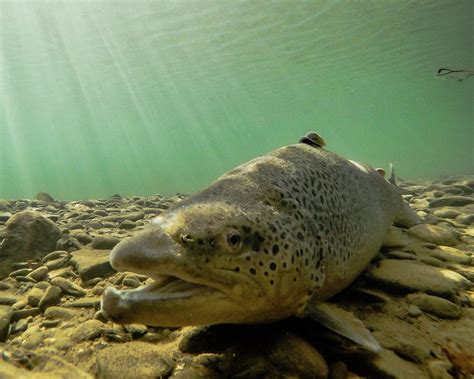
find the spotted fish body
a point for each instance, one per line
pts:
(296, 224)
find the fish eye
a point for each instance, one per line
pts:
(234, 240)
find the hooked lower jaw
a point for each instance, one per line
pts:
(151, 304)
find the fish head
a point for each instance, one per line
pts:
(208, 266)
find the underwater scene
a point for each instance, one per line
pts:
(237, 189)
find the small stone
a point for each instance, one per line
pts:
(59, 313)
(44, 197)
(337, 370)
(88, 330)
(136, 330)
(414, 310)
(20, 272)
(55, 255)
(436, 234)
(131, 280)
(396, 237)
(7, 300)
(83, 238)
(50, 323)
(104, 243)
(451, 254)
(148, 361)
(56, 264)
(291, 353)
(465, 219)
(435, 305)
(6, 318)
(39, 274)
(25, 279)
(410, 352)
(88, 302)
(127, 225)
(24, 313)
(52, 296)
(439, 369)
(386, 364)
(451, 201)
(32, 337)
(35, 296)
(409, 276)
(446, 213)
(68, 287)
(401, 255)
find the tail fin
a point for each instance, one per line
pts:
(392, 179)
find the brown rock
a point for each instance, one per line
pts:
(28, 235)
(409, 276)
(436, 234)
(92, 263)
(133, 360)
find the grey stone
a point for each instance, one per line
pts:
(409, 276)
(92, 263)
(88, 330)
(435, 305)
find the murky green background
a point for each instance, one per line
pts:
(143, 97)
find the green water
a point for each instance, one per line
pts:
(144, 97)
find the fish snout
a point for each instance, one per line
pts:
(145, 251)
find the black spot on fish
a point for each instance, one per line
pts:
(255, 241)
(275, 249)
(273, 266)
(300, 236)
(272, 227)
(253, 271)
(237, 269)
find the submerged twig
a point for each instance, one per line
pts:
(450, 71)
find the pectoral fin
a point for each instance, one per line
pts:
(341, 322)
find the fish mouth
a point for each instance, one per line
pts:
(165, 292)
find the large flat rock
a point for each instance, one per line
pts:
(409, 276)
(92, 263)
